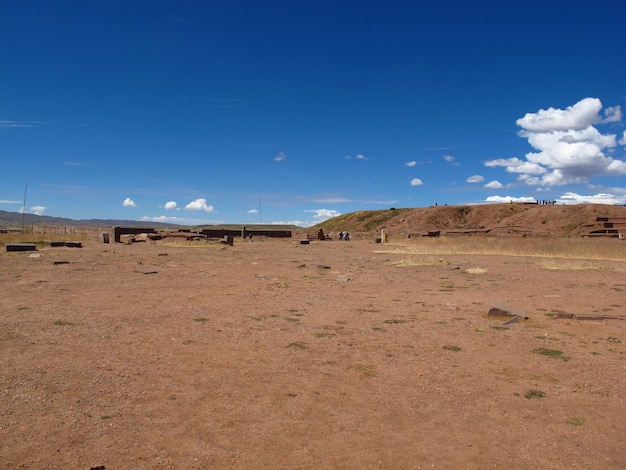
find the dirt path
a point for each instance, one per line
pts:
(273, 354)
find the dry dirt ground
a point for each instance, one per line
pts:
(273, 354)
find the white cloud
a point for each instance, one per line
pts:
(169, 205)
(622, 141)
(448, 158)
(501, 199)
(280, 157)
(612, 114)
(323, 214)
(4, 123)
(416, 182)
(331, 200)
(38, 210)
(569, 148)
(411, 163)
(600, 198)
(199, 205)
(475, 179)
(180, 220)
(358, 157)
(8, 201)
(128, 202)
(253, 211)
(495, 184)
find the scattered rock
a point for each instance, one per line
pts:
(499, 309)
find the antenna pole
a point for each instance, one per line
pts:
(24, 208)
(260, 214)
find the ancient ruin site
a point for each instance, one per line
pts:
(503, 346)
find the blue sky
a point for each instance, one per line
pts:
(209, 112)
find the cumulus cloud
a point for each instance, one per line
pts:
(280, 157)
(411, 163)
(475, 179)
(323, 214)
(495, 184)
(600, 198)
(569, 148)
(416, 182)
(38, 210)
(199, 205)
(501, 199)
(170, 205)
(128, 202)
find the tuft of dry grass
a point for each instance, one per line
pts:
(605, 249)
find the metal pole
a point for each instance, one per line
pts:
(24, 207)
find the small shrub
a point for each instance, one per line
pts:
(554, 353)
(452, 348)
(534, 394)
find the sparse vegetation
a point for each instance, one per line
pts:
(553, 353)
(576, 421)
(531, 394)
(365, 371)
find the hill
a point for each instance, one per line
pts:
(491, 219)
(14, 219)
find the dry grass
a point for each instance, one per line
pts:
(605, 249)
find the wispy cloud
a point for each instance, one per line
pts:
(8, 201)
(16, 124)
(411, 164)
(331, 200)
(280, 157)
(358, 156)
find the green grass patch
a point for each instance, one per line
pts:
(553, 353)
(576, 421)
(531, 394)
(365, 371)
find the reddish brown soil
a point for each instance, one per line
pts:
(273, 354)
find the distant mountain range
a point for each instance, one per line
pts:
(15, 219)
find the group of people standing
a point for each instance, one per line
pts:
(344, 236)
